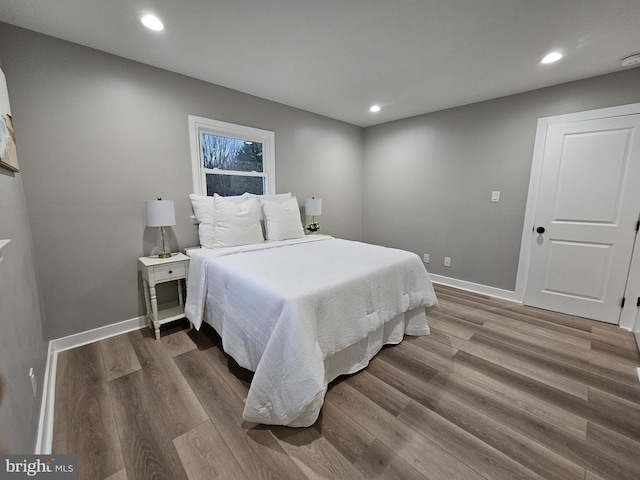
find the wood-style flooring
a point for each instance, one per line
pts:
(497, 391)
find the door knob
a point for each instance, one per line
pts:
(540, 229)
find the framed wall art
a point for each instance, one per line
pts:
(8, 153)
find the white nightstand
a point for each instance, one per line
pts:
(160, 270)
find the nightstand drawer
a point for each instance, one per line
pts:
(169, 272)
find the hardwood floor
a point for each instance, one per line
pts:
(498, 390)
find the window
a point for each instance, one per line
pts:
(230, 159)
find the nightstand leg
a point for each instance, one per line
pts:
(180, 292)
(147, 302)
(154, 309)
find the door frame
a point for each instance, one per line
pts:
(629, 312)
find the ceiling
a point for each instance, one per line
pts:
(338, 57)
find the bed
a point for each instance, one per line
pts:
(301, 311)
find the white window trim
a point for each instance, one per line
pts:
(198, 125)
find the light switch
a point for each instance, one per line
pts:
(495, 196)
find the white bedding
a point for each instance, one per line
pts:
(301, 312)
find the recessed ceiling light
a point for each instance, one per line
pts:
(552, 57)
(631, 60)
(152, 22)
(375, 108)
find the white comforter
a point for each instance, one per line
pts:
(290, 310)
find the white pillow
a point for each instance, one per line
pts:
(282, 220)
(203, 210)
(236, 223)
(278, 197)
(202, 206)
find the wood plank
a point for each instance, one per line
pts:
(314, 454)
(552, 319)
(410, 364)
(471, 300)
(178, 343)
(174, 400)
(551, 347)
(511, 443)
(119, 356)
(590, 410)
(92, 430)
(255, 449)
(564, 370)
(567, 328)
(121, 475)
(384, 395)
(552, 337)
(419, 452)
(480, 456)
(142, 417)
(452, 326)
(205, 454)
(500, 354)
(515, 401)
(616, 345)
(434, 343)
(456, 309)
(615, 444)
(624, 415)
(557, 439)
(593, 476)
(381, 462)
(464, 446)
(349, 438)
(613, 367)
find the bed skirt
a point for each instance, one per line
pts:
(352, 359)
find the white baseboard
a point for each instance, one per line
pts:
(97, 334)
(476, 288)
(45, 425)
(46, 404)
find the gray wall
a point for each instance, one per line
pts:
(21, 339)
(98, 135)
(428, 179)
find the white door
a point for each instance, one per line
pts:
(586, 215)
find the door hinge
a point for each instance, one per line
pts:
(622, 303)
(638, 302)
(638, 226)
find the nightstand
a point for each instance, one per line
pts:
(160, 270)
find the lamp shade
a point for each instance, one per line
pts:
(313, 206)
(160, 213)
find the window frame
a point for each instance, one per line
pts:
(199, 125)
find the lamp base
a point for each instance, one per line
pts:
(164, 255)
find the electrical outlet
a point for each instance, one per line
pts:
(447, 261)
(425, 258)
(34, 385)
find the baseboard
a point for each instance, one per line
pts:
(475, 288)
(45, 422)
(97, 334)
(45, 425)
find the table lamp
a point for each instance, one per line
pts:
(160, 213)
(313, 208)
